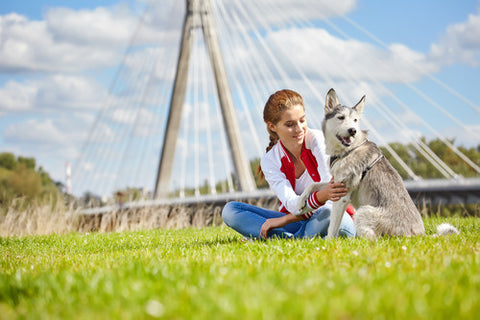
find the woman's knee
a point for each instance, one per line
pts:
(229, 211)
(347, 227)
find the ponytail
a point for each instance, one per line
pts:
(273, 141)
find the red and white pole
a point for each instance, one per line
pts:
(68, 176)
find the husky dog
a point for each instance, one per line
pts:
(375, 188)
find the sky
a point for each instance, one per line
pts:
(59, 61)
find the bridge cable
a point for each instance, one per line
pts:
(436, 133)
(429, 75)
(433, 155)
(421, 94)
(147, 159)
(395, 155)
(95, 132)
(241, 95)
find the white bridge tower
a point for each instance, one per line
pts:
(200, 10)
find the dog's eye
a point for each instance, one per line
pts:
(341, 117)
(355, 120)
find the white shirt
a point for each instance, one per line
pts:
(277, 168)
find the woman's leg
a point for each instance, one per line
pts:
(318, 224)
(248, 220)
(347, 227)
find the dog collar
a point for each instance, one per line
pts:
(364, 173)
(343, 155)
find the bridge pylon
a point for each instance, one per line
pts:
(201, 9)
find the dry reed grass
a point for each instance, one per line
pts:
(43, 219)
(22, 219)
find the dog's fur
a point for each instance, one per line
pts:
(383, 205)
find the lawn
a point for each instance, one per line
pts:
(209, 273)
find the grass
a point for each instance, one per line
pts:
(208, 273)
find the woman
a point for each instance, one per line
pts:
(293, 166)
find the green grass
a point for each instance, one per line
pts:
(209, 274)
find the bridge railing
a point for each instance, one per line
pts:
(429, 192)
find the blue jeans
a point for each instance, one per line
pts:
(248, 220)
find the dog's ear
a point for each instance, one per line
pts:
(359, 106)
(331, 101)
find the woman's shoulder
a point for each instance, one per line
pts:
(272, 156)
(272, 153)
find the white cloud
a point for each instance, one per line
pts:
(319, 53)
(460, 43)
(17, 97)
(142, 120)
(124, 116)
(35, 131)
(70, 40)
(102, 27)
(30, 46)
(54, 92)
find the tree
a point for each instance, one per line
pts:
(422, 167)
(20, 179)
(28, 162)
(7, 160)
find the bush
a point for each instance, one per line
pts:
(19, 178)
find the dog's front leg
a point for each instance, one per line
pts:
(338, 210)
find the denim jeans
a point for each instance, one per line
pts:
(248, 220)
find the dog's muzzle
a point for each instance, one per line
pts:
(347, 141)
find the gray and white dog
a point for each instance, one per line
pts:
(375, 188)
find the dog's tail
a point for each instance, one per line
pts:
(446, 229)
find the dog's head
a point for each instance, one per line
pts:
(341, 125)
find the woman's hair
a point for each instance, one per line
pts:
(277, 103)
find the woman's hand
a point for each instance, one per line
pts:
(268, 225)
(273, 223)
(334, 191)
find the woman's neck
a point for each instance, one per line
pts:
(295, 151)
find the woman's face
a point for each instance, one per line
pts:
(292, 126)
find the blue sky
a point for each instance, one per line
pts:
(58, 60)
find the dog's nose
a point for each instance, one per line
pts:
(352, 131)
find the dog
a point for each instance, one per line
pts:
(375, 189)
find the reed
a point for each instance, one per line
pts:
(22, 218)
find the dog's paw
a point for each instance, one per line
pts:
(368, 234)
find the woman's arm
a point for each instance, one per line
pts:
(273, 223)
(279, 183)
(334, 191)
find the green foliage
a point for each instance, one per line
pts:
(220, 187)
(7, 160)
(25, 182)
(452, 210)
(423, 168)
(128, 194)
(28, 162)
(260, 181)
(210, 274)
(20, 179)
